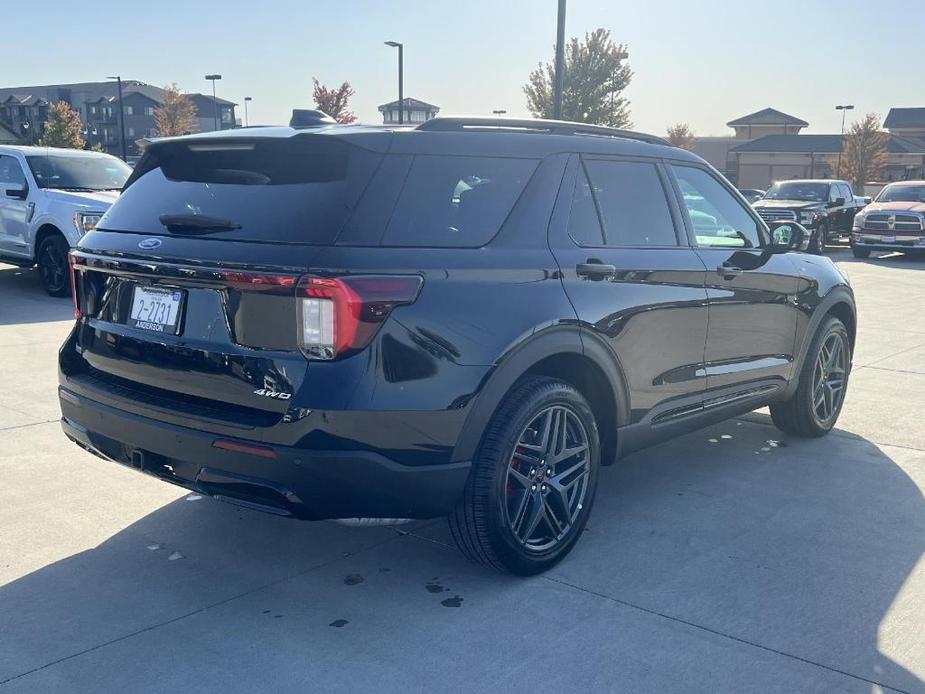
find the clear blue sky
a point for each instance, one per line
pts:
(702, 61)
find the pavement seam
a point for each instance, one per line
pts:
(30, 424)
(721, 634)
(199, 610)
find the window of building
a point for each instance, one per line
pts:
(130, 132)
(129, 110)
(93, 110)
(716, 216)
(149, 110)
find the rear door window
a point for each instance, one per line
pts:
(456, 201)
(293, 190)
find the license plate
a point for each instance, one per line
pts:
(157, 310)
(887, 239)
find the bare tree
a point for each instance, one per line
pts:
(681, 135)
(864, 156)
(592, 85)
(176, 116)
(334, 102)
(62, 128)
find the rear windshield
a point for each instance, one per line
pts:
(298, 190)
(321, 191)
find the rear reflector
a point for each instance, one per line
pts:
(72, 261)
(259, 282)
(340, 315)
(238, 447)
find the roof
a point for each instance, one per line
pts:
(767, 116)
(7, 136)
(905, 118)
(84, 92)
(26, 150)
(482, 141)
(409, 103)
(208, 97)
(823, 144)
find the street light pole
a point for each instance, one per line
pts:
(844, 108)
(560, 63)
(213, 79)
(401, 78)
(118, 79)
(246, 100)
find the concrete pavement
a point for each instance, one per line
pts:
(734, 559)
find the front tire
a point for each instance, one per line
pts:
(52, 262)
(533, 480)
(814, 408)
(817, 242)
(860, 252)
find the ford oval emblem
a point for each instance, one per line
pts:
(149, 243)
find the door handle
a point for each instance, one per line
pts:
(595, 269)
(728, 271)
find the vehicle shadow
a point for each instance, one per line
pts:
(798, 547)
(24, 300)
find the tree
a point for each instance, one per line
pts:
(594, 78)
(176, 116)
(334, 102)
(62, 128)
(681, 135)
(864, 154)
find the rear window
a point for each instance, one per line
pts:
(321, 191)
(298, 190)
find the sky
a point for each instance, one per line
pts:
(703, 62)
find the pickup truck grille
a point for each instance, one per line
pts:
(899, 222)
(771, 215)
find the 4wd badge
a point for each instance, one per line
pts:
(272, 394)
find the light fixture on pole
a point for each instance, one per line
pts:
(213, 79)
(401, 78)
(844, 108)
(247, 99)
(118, 80)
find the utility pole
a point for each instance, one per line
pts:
(560, 63)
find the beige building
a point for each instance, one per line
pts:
(768, 147)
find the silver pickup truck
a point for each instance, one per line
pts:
(49, 198)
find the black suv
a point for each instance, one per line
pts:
(823, 206)
(466, 318)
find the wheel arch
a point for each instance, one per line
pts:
(839, 302)
(559, 353)
(44, 231)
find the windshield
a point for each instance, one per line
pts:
(796, 190)
(903, 193)
(69, 172)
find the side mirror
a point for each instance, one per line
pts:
(14, 190)
(788, 236)
(839, 202)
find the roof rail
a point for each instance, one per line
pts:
(555, 127)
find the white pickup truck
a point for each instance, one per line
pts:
(49, 198)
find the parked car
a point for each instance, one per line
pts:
(894, 221)
(468, 318)
(49, 198)
(752, 194)
(825, 207)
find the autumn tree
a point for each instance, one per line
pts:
(593, 81)
(864, 153)
(681, 135)
(176, 115)
(334, 102)
(62, 128)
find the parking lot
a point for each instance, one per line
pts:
(733, 559)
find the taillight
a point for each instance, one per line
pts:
(72, 261)
(340, 315)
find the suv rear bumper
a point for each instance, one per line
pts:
(309, 484)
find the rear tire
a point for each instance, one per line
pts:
(814, 407)
(533, 480)
(53, 268)
(860, 252)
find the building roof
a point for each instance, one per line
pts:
(767, 116)
(208, 97)
(905, 118)
(92, 92)
(8, 137)
(409, 103)
(823, 144)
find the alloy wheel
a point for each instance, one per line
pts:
(53, 266)
(830, 373)
(547, 478)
